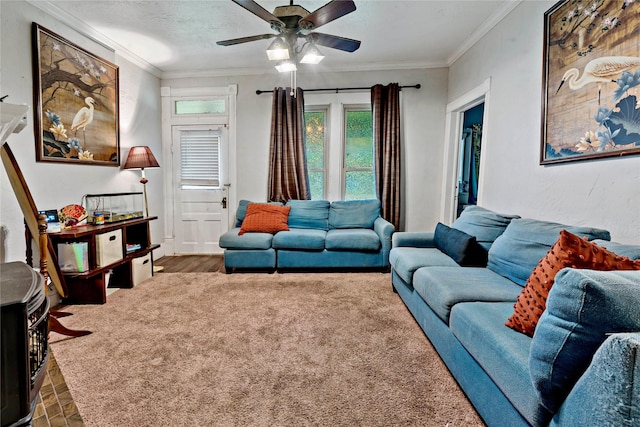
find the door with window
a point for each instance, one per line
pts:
(201, 214)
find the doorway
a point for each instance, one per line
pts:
(469, 157)
(459, 157)
(199, 136)
(200, 194)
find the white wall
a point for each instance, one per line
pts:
(423, 113)
(55, 185)
(603, 193)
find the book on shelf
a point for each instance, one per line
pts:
(131, 247)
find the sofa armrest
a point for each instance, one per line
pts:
(383, 228)
(607, 393)
(415, 239)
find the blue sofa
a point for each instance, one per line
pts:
(591, 319)
(342, 234)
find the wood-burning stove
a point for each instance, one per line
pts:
(25, 350)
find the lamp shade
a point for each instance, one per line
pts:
(311, 55)
(278, 50)
(140, 157)
(284, 66)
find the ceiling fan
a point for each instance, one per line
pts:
(293, 22)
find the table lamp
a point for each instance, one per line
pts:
(141, 157)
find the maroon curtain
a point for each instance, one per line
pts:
(385, 105)
(288, 175)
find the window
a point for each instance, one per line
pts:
(199, 159)
(199, 106)
(359, 178)
(339, 149)
(315, 125)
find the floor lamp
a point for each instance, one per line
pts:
(139, 158)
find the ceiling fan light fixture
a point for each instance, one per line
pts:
(278, 50)
(311, 54)
(284, 66)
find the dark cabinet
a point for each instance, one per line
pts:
(111, 254)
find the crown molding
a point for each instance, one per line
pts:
(87, 31)
(483, 29)
(370, 66)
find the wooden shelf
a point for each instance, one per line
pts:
(90, 230)
(89, 287)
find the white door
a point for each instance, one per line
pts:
(200, 210)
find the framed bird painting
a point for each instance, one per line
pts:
(75, 102)
(591, 80)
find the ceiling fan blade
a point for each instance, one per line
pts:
(327, 13)
(335, 42)
(245, 39)
(259, 11)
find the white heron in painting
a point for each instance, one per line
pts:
(84, 116)
(600, 70)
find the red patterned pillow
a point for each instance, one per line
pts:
(265, 218)
(568, 251)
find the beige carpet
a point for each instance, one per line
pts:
(293, 349)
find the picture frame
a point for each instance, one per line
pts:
(76, 102)
(591, 81)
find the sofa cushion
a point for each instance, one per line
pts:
(525, 241)
(313, 214)
(584, 306)
(630, 251)
(482, 223)
(406, 260)
(265, 218)
(502, 352)
(461, 247)
(299, 238)
(353, 239)
(608, 390)
(569, 251)
(242, 210)
(443, 287)
(231, 240)
(354, 213)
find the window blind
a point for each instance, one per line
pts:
(200, 158)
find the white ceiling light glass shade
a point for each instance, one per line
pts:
(278, 50)
(285, 66)
(311, 54)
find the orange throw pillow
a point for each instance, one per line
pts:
(265, 218)
(568, 251)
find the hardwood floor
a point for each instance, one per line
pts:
(191, 264)
(55, 406)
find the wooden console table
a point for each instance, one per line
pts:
(89, 287)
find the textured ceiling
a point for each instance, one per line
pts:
(179, 36)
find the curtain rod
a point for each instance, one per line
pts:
(337, 89)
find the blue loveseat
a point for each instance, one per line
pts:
(342, 234)
(582, 365)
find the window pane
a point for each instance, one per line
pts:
(359, 185)
(200, 106)
(315, 127)
(199, 158)
(316, 182)
(358, 152)
(359, 140)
